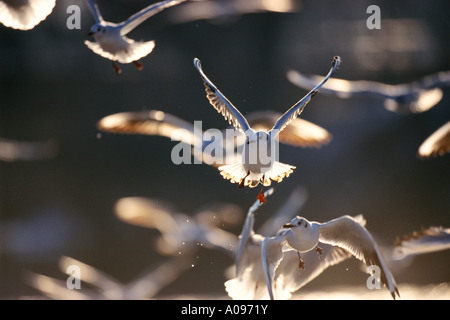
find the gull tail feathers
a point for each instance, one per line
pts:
(135, 51)
(278, 172)
(235, 172)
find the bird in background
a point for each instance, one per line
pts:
(248, 282)
(24, 14)
(222, 11)
(103, 286)
(180, 233)
(259, 163)
(414, 97)
(437, 144)
(111, 41)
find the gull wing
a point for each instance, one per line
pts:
(139, 17)
(152, 281)
(145, 212)
(271, 256)
(347, 88)
(347, 233)
(436, 144)
(297, 108)
(221, 103)
(95, 11)
(289, 278)
(154, 122)
(299, 133)
(247, 230)
(109, 286)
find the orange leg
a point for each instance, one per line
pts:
(116, 68)
(301, 263)
(139, 65)
(261, 197)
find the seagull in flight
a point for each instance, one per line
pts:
(259, 158)
(415, 97)
(24, 14)
(111, 41)
(436, 144)
(301, 235)
(105, 287)
(431, 239)
(249, 282)
(300, 133)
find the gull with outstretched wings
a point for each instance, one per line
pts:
(437, 143)
(259, 157)
(299, 133)
(415, 97)
(24, 14)
(111, 41)
(301, 235)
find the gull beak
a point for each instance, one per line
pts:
(90, 33)
(288, 225)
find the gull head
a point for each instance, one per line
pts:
(301, 235)
(97, 29)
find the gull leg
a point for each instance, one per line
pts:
(319, 250)
(116, 68)
(138, 65)
(242, 183)
(301, 263)
(260, 196)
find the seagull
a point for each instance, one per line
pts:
(301, 235)
(15, 150)
(259, 157)
(24, 14)
(104, 286)
(431, 239)
(181, 233)
(436, 144)
(415, 97)
(249, 282)
(299, 133)
(111, 41)
(223, 10)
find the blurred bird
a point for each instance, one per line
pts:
(112, 42)
(24, 14)
(427, 240)
(13, 150)
(224, 10)
(436, 144)
(299, 133)
(104, 286)
(415, 97)
(301, 235)
(181, 233)
(259, 157)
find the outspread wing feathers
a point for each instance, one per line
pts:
(221, 103)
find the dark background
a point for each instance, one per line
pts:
(53, 87)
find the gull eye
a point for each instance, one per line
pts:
(299, 223)
(99, 29)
